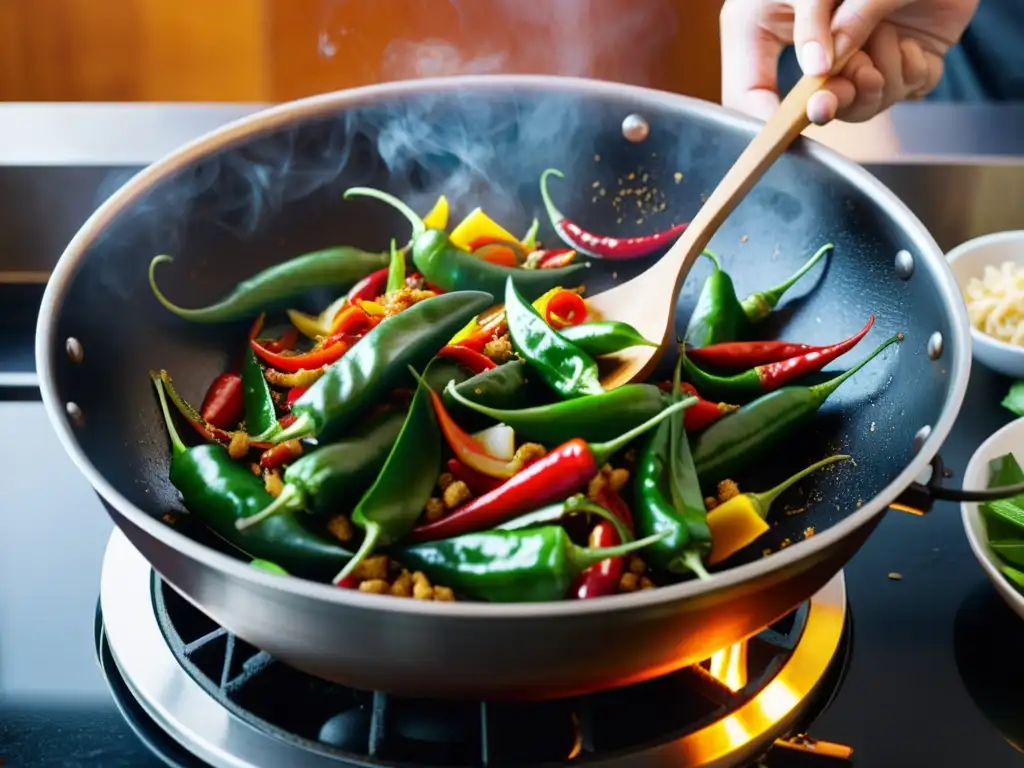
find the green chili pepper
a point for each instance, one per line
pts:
(219, 491)
(339, 267)
(567, 369)
(379, 362)
(594, 418)
(757, 306)
(330, 478)
(522, 566)
(269, 567)
(390, 509)
(669, 499)
(718, 316)
(604, 337)
(396, 270)
(506, 386)
(452, 269)
(748, 434)
(554, 513)
(260, 414)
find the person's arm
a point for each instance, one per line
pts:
(898, 48)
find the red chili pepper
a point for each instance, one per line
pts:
(703, 412)
(552, 478)
(206, 430)
(489, 331)
(561, 257)
(565, 308)
(741, 355)
(294, 394)
(224, 404)
(477, 482)
(603, 246)
(349, 582)
(287, 420)
(286, 343)
(333, 348)
(370, 287)
(289, 450)
(603, 578)
(771, 376)
(351, 321)
(466, 449)
(470, 359)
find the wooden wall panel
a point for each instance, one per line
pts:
(273, 50)
(128, 50)
(321, 45)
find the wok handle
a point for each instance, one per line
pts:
(919, 497)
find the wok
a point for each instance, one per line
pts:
(270, 186)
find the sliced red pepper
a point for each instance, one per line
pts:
(287, 420)
(562, 257)
(565, 308)
(466, 449)
(286, 343)
(489, 331)
(224, 404)
(370, 287)
(349, 582)
(477, 482)
(352, 321)
(294, 394)
(332, 349)
(281, 454)
(470, 359)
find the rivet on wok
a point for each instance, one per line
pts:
(922, 434)
(904, 265)
(635, 128)
(935, 346)
(75, 414)
(74, 349)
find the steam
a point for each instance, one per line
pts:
(477, 148)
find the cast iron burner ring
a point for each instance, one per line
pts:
(189, 687)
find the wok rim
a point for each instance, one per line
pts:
(293, 112)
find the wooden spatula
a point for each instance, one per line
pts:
(648, 301)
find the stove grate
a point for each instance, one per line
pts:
(375, 729)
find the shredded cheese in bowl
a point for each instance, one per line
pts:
(995, 302)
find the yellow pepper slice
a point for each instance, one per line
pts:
(739, 521)
(734, 525)
(438, 216)
(372, 308)
(478, 225)
(314, 326)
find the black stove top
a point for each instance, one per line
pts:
(931, 677)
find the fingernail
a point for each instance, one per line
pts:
(820, 108)
(813, 59)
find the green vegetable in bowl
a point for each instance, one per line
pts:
(1004, 519)
(1014, 400)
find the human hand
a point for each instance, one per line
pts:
(898, 48)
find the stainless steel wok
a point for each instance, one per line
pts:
(269, 187)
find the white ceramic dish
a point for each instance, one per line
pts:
(1009, 439)
(969, 260)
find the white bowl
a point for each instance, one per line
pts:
(969, 260)
(1009, 439)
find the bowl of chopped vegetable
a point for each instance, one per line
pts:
(995, 529)
(402, 471)
(990, 273)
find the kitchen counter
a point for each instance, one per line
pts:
(960, 169)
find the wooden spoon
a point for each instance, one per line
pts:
(648, 301)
